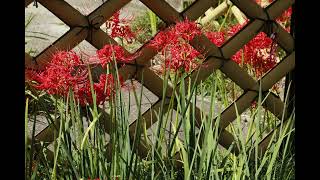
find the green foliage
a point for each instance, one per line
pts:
(145, 26)
(81, 152)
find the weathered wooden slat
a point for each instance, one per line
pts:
(65, 12)
(69, 40)
(149, 117)
(279, 71)
(283, 39)
(28, 60)
(198, 8)
(267, 81)
(263, 145)
(274, 104)
(27, 2)
(100, 38)
(106, 10)
(163, 10)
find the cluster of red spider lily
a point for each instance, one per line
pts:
(67, 71)
(259, 53)
(283, 19)
(216, 38)
(174, 46)
(120, 28)
(109, 52)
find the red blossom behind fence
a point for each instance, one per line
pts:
(120, 28)
(175, 48)
(67, 71)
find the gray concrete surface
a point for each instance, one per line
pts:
(45, 22)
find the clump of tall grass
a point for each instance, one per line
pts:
(107, 148)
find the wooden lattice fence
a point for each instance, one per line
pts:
(82, 28)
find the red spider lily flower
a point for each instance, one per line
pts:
(187, 29)
(162, 39)
(235, 28)
(173, 44)
(216, 38)
(29, 75)
(285, 16)
(183, 56)
(68, 59)
(259, 53)
(66, 71)
(110, 52)
(104, 89)
(119, 28)
(60, 74)
(254, 104)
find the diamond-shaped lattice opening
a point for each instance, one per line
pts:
(85, 49)
(85, 7)
(128, 90)
(206, 106)
(284, 19)
(268, 122)
(279, 89)
(259, 55)
(169, 129)
(242, 125)
(41, 123)
(177, 58)
(50, 147)
(133, 25)
(157, 63)
(180, 5)
(252, 121)
(222, 22)
(226, 90)
(42, 29)
(88, 53)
